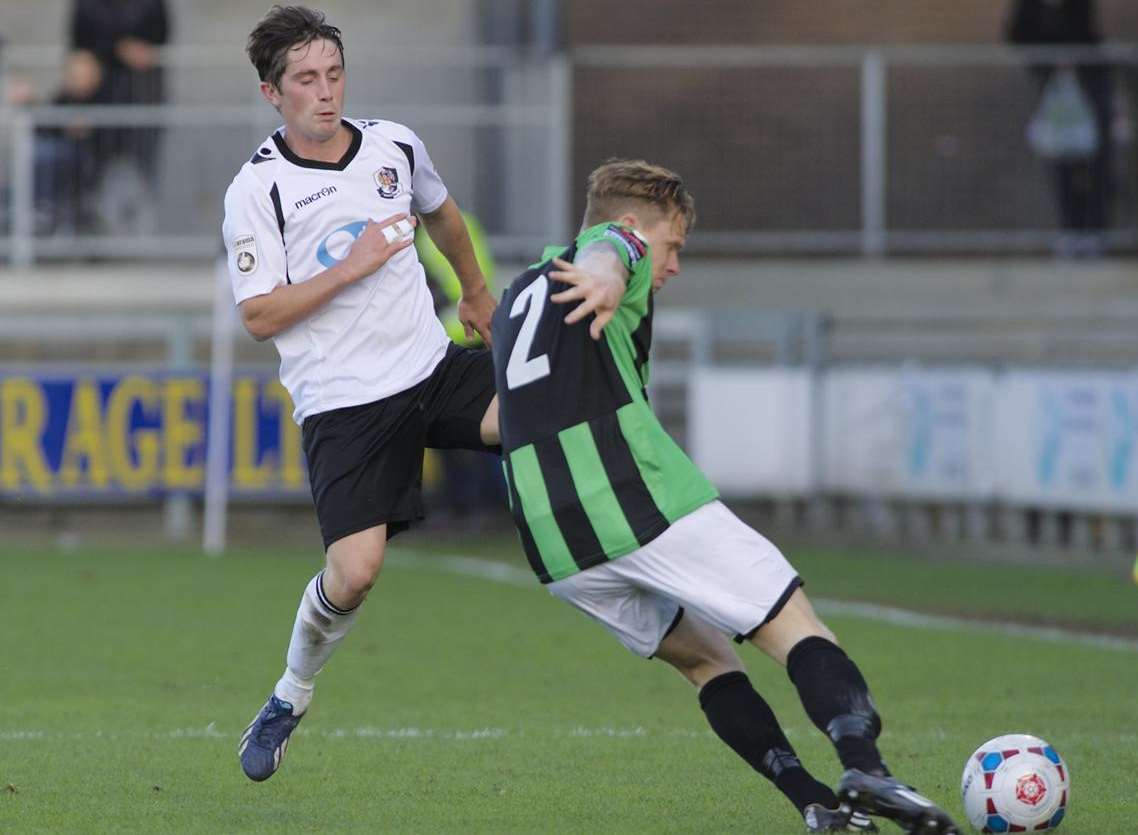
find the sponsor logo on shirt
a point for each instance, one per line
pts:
(245, 253)
(334, 248)
(630, 239)
(387, 182)
(312, 198)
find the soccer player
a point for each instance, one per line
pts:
(619, 523)
(373, 377)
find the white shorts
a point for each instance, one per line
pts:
(708, 562)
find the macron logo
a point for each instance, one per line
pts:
(312, 198)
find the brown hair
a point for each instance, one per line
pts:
(282, 29)
(620, 185)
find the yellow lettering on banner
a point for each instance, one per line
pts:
(182, 433)
(121, 442)
(292, 470)
(247, 473)
(23, 416)
(84, 438)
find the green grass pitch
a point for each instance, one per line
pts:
(466, 704)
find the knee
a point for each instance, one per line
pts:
(358, 580)
(822, 631)
(354, 576)
(700, 668)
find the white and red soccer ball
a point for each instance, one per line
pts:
(1015, 783)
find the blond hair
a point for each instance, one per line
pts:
(618, 186)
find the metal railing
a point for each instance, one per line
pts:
(491, 117)
(868, 150)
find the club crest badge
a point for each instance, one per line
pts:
(245, 253)
(387, 182)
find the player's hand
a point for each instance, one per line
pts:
(475, 309)
(598, 294)
(377, 243)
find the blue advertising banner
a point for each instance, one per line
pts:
(128, 434)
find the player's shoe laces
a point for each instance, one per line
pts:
(265, 741)
(892, 799)
(842, 819)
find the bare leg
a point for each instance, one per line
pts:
(488, 429)
(795, 622)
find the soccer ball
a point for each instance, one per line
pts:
(1015, 783)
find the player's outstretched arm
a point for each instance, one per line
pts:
(449, 233)
(267, 315)
(598, 279)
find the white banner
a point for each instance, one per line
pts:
(920, 433)
(750, 430)
(1061, 440)
(1068, 440)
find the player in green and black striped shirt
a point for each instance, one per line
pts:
(618, 522)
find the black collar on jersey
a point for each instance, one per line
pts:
(340, 165)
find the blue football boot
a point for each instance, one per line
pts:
(265, 741)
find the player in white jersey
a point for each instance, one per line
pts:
(318, 226)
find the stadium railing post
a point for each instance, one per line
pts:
(873, 153)
(220, 389)
(178, 510)
(22, 205)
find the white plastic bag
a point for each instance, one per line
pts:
(1063, 127)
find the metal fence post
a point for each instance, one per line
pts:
(217, 435)
(873, 153)
(560, 146)
(177, 513)
(22, 199)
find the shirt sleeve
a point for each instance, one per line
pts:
(627, 243)
(633, 252)
(428, 190)
(254, 248)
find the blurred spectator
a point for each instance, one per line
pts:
(125, 36)
(1083, 186)
(63, 157)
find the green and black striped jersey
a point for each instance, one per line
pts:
(591, 473)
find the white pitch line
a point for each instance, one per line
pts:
(906, 617)
(210, 732)
(505, 573)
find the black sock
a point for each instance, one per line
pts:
(743, 719)
(837, 700)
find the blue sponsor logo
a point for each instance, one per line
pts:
(334, 248)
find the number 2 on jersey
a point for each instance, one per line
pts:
(521, 370)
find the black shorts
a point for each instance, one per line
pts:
(365, 463)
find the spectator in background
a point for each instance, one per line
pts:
(62, 156)
(1082, 185)
(125, 36)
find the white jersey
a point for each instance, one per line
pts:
(288, 219)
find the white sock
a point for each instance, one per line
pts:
(318, 630)
(294, 690)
